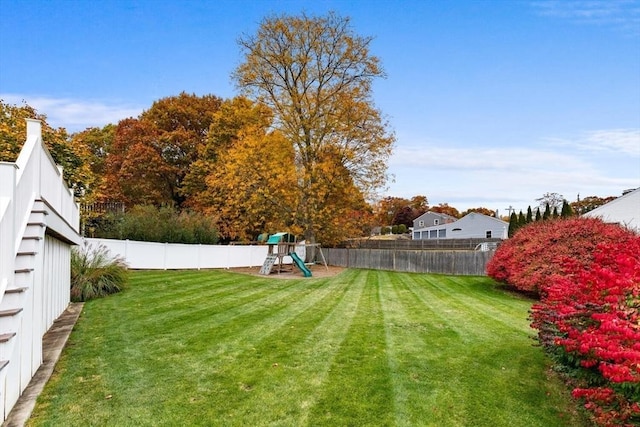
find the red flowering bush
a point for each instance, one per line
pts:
(587, 275)
(538, 252)
(608, 408)
(589, 319)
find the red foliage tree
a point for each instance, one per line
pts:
(446, 209)
(537, 252)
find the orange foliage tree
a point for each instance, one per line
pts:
(444, 208)
(398, 210)
(73, 158)
(316, 76)
(480, 210)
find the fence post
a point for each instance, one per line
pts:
(166, 248)
(394, 259)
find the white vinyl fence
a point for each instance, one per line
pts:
(175, 256)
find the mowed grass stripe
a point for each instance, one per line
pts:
(405, 356)
(185, 351)
(296, 358)
(197, 286)
(445, 378)
(363, 348)
(478, 294)
(441, 297)
(188, 299)
(358, 388)
(220, 373)
(235, 331)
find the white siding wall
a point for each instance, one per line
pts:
(57, 280)
(34, 266)
(471, 226)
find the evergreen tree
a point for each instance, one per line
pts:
(566, 210)
(547, 211)
(555, 212)
(529, 215)
(521, 220)
(538, 216)
(513, 224)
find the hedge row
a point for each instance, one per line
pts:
(152, 224)
(587, 275)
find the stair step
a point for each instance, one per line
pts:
(3, 363)
(39, 224)
(10, 312)
(40, 211)
(15, 290)
(23, 270)
(30, 244)
(6, 337)
(26, 253)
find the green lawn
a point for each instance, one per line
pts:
(362, 348)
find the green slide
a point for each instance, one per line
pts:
(300, 264)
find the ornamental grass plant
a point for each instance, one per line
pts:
(96, 273)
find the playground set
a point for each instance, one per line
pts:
(281, 245)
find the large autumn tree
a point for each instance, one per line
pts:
(586, 204)
(73, 158)
(95, 144)
(241, 177)
(234, 119)
(392, 210)
(151, 155)
(316, 75)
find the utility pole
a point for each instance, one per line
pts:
(509, 210)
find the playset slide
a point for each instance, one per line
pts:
(300, 264)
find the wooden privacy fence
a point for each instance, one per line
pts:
(465, 263)
(427, 244)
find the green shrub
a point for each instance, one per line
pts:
(96, 273)
(148, 223)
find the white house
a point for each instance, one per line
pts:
(625, 210)
(430, 218)
(471, 226)
(39, 222)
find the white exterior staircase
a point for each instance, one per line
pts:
(39, 221)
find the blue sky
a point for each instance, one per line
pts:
(493, 103)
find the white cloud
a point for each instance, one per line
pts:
(497, 177)
(621, 14)
(484, 159)
(72, 114)
(623, 141)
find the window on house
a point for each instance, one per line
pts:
(442, 233)
(433, 234)
(436, 222)
(488, 234)
(420, 223)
